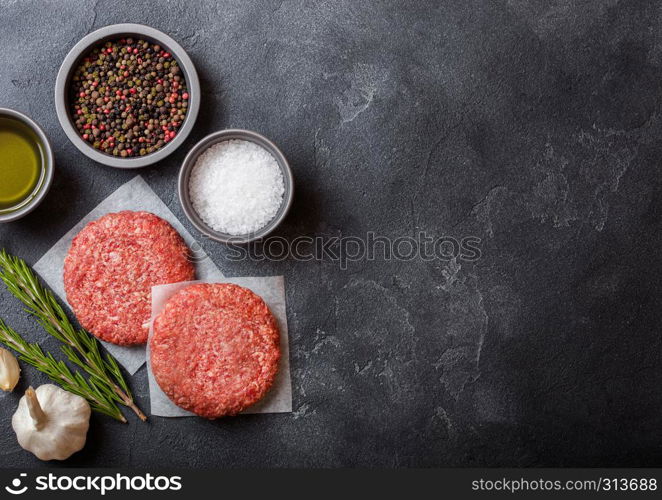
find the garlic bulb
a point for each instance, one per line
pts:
(51, 422)
(9, 370)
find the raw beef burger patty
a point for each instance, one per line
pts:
(215, 349)
(110, 270)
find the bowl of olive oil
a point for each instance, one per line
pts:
(26, 165)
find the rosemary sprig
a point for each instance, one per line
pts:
(98, 396)
(79, 346)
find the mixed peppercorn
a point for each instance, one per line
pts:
(129, 97)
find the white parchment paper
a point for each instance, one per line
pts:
(272, 291)
(134, 195)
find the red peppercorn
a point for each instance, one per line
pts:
(80, 112)
(82, 94)
(185, 95)
(85, 137)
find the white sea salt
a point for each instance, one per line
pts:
(236, 187)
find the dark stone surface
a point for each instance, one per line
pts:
(534, 125)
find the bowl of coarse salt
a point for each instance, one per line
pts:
(235, 186)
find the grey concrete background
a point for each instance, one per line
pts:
(534, 125)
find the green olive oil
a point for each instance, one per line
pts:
(21, 162)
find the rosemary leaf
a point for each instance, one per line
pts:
(79, 346)
(100, 398)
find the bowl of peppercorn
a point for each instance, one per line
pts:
(127, 95)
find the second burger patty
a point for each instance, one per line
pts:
(215, 349)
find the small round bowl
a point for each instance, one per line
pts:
(113, 32)
(185, 175)
(48, 166)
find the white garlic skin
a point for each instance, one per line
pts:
(9, 370)
(60, 429)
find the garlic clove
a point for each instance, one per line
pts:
(9, 370)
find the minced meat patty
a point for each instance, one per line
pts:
(110, 270)
(215, 349)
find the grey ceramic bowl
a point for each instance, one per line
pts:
(46, 178)
(115, 31)
(189, 163)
